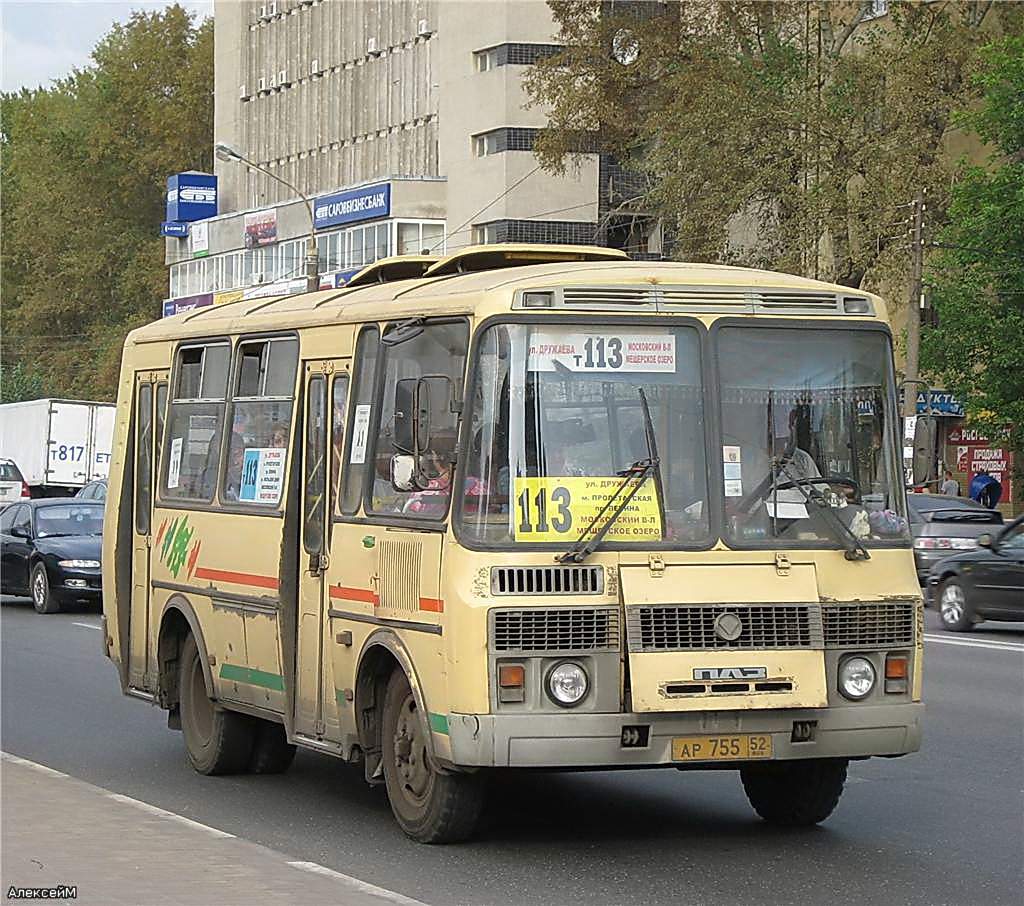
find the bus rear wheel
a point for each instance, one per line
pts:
(795, 793)
(429, 806)
(217, 741)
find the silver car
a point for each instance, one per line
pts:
(12, 486)
(942, 525)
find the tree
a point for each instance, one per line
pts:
(790, 135)
(977, 279)
(84, 166)
(18, 383)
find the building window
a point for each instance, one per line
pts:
(520, 54)
(509, 138)
(416, 237)
(878, 9)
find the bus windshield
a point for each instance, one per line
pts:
(558, 417)
(805, 414)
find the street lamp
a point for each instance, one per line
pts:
(225, 152)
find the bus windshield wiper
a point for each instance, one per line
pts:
(633, 479)
(839, 529)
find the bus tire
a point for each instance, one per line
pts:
(795, 793)
(429, 806)
(271, 751)
(217, 741)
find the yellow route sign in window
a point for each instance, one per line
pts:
(559, 509)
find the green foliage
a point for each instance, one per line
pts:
(788, 135)
(84, 168)
(18, 383)
(977, 281)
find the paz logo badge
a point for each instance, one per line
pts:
(728, 627)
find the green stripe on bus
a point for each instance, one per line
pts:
(339, 694)
(252, 677)
(439, 723)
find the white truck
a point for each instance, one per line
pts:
(59, 445)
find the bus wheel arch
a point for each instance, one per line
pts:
(178, 620)
(382, 653)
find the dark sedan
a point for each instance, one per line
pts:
(942, 525)
(50, 550)
(983, 584)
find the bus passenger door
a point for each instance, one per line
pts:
(150, 397)
(316, 711)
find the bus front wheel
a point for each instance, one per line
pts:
(429, 806)
(795, 793)
(217, 741)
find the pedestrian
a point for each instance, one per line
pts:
(950, 487)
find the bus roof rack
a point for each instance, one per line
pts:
(493, 257)
(396, 267)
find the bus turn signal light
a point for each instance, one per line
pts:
(896, 672)
(511, 683)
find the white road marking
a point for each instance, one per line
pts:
(24, 762)
(991, 644)
(354, 883)
(86, 625)
(173, 816)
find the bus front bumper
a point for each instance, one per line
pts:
(597, 740)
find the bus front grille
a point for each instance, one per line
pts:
(689, 627)
(869, 624)
(553, 629)
(547, 580)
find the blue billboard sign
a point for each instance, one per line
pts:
(173, 228)
(942, 402)
(191, 196)
(352, 205)
(186, 303)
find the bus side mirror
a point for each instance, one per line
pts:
(412, 416)
(924, 449)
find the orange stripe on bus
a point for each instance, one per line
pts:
(434, 605)
(354, 594)
(224, 575)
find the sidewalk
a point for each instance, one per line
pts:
(58, 831)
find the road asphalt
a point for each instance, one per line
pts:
(943, 826)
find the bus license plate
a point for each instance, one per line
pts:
(734, 747)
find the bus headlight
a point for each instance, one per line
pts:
(856, 678)
(567, 684)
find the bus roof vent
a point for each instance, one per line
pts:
(397, 267)
(493, 257)
(768, 302)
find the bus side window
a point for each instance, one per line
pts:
(314, 485)
(195, 422)
(143, 457)
(357, 446)
(261, 419)
(436, 357)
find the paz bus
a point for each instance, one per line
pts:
(521, 507)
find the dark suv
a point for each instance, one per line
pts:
(943, 525)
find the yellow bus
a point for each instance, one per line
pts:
(521, 507)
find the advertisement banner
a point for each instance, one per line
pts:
(260, 228)
(231, 295)
(186, 303)
(199, 239)
(352, 205)
(173, 228)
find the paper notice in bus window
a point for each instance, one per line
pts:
(174, 464)
(611, 351)
(730, 454)
(733, 471)
(559, 509)
(786, 509)
(733, 487)
(360, 435)
(262, 475)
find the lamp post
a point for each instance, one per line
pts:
(226, 153)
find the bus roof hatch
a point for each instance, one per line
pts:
(493, 257)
